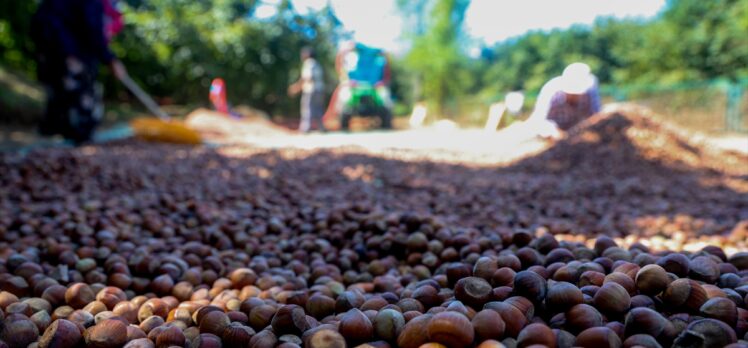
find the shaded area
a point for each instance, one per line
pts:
(609, 176)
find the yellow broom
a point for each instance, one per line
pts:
(160, 129)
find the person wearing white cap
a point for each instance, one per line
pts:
(565, 101)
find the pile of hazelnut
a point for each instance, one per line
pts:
(135, 245)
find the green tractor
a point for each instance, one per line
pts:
(364, 88)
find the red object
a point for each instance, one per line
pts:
(113, 22)
(218, 95)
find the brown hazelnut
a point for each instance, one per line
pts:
(561, 296)
(260, 316)
(646, 321)
(612, 298)
(320, 306)
(582, 317)
(451, 329)
(428, 295)
(706, 333)
(18, 333)
(140, 343)
(214, 322)
(536, 334)
(237, 335)
(60, 334)
(530, 285)
(110, 296)
(79, 295)
(212, 341)
(485, 267)
(151, 307)
(598, 337)
(388, 323)
(151, 323)
(721, 309)
(415, 332)
(326, 338)
(675, 263)
(703, 268)
(41, 319)
(126, 310)
(641, 340)
(652, 279)
(514, 319)
(355, 326)
(242, 277)
(171, 336)
(289, 319)
(684, 292)
(488, 325)
(107, 334)
(473, 291)
(134, 333)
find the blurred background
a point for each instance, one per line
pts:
(685, 59)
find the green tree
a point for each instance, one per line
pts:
(436, 57)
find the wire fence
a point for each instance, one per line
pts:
(710, 106)
(716, 106)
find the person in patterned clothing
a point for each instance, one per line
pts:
(566, 100)
(72, 39)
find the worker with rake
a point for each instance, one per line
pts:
(72, 39)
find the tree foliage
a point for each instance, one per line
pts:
(436, 57)
(176, 47)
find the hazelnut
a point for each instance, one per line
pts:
(651, 280)
(326, 338)
(582, 317)
(41, 319)
(675, 263)
(612, 298)
(214, 322)
(721, 309)
(242, 277)
(79, 295)
(260, 317)
(237, 335)
(171, 336)
(110, 297)
(530, 285)
(473, 291)
(60, 334)
(151, 307)
(598, 337)
(641, 340)
(140, 343)
(428, 295)
(514, 319)
(212, 341)
(451, 329)
(646, 321)
(151, 323)
(488, 325)
(536, 334)
(703, 268)
(262, 339)
(289, 319)
(561, 296)
(134, 332)
(706, 333)
(355, 326)
(388, 323)
(485, 267)
(415, 332)
(320, 306)
(19, 333)
(107, 334)
(684, 292)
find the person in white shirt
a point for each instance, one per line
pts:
(565, 100)
(312, 87)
